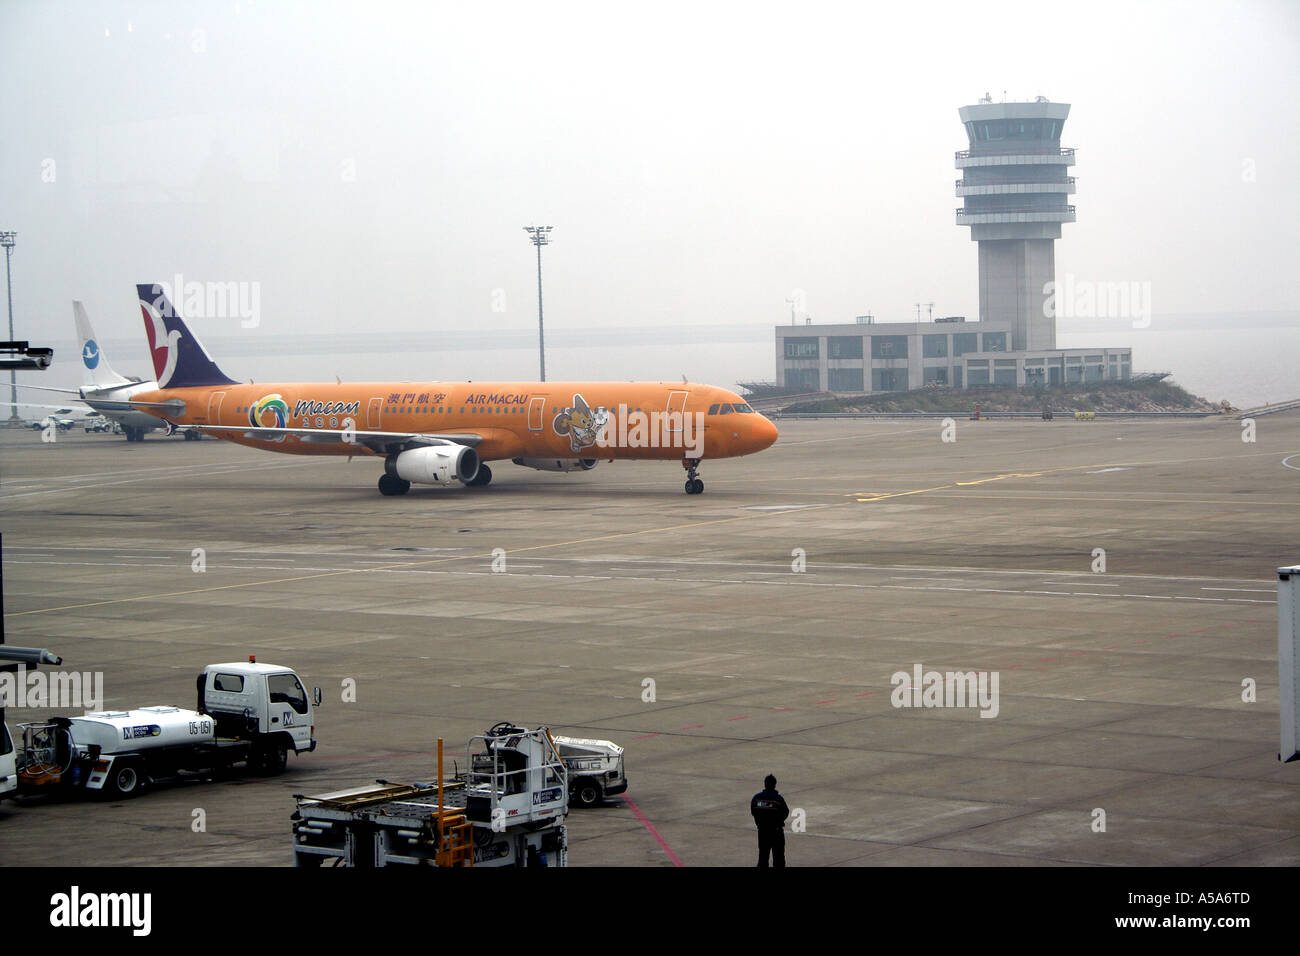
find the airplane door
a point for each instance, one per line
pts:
(214, 408)
(536, 413)
(676, 404)
(372, 413)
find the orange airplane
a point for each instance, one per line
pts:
(439, 432)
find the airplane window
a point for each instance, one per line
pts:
(742, 407)
(713, 409)
(726, 410)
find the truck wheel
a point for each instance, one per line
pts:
(587, 793)
(124, 781)
(274, 758)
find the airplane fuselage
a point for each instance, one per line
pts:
(503, 420)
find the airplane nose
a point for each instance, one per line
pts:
(765, 433)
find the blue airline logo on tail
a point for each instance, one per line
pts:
(90, 354)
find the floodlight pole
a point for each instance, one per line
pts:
(8, 239)
(540, 236)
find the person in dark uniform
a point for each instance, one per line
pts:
(769, 812)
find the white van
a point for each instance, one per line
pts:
(8, 764)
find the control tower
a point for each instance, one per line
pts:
(1015, 186)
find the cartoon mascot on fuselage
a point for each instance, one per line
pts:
(580, 423)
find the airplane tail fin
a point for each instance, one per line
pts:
(97, 372)
(179, 358)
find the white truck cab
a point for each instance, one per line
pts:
(264, 702)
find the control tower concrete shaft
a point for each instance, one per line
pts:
(1015, 186)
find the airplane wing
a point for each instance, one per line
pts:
(51, 388)
(381, 443)
(58, 408)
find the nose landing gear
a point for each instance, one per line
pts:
(694, 485)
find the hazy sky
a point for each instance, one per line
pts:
(371, 166)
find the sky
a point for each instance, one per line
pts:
(365, 172)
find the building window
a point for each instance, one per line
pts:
(977, 376)
(804, 379)
(844, 379)
(888, 346)
(802, 348)
(936, 376)
(889, 379)
(843, 347)
(995, 341)
(964, 342)
(934, 346)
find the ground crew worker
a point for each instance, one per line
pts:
(769, 811)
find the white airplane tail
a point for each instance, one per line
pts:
(98, 373)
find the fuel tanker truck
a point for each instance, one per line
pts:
(247, 713)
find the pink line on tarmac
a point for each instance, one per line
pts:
(746, 717)
(677, 861)
(645, 736)
(693, 727)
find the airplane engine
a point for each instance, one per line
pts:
(557, 464)
(434, 464)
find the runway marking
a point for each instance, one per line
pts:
(981, 481)
(903, 494)
(645, 822)
(192, 472)
(1005, 667)
(560, 544)
(402, 566)
(1286, 462)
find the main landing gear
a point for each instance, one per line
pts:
(694, 485)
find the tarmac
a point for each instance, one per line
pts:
(754, 628)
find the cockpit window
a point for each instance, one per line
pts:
(742, 408)
(713, 409)
(726, 410)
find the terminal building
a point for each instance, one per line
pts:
(1015, 185)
